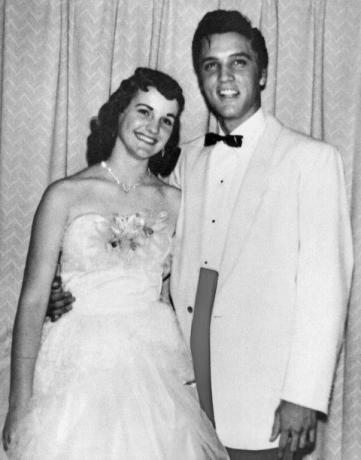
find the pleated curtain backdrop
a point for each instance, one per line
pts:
(60, 59)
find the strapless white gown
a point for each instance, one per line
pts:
(112, 376)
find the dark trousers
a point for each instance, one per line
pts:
(269, 454)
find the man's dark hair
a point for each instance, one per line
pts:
(223, 21)
(104, 127)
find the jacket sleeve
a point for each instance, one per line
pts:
(324, 272)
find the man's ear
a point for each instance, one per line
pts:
(263, 78)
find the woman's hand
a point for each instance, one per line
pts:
(12, 419)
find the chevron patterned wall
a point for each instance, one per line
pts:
(60, 59)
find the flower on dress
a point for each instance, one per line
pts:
(129, 232)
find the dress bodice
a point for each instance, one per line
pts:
(94, 242)
(123, 254)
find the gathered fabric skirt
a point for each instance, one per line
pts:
(115, 385)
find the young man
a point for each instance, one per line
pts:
(271, 217)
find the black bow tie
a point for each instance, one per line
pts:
(229, 139)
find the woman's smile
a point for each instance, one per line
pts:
(146, 138)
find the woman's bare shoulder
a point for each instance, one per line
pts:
(58, 191)
(71, 186)
(173, 194)
(63, 192)
(173, 199)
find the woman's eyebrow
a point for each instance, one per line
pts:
(146, 105)
(151, 108)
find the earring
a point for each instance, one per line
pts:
(162, 153)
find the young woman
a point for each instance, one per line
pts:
(112, 378)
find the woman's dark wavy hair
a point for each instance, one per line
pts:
(223, 21)
(104, 127)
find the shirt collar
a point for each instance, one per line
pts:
(252, 128)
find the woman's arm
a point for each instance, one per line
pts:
(45, 242)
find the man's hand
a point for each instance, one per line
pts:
(295, 425)
(60, 302)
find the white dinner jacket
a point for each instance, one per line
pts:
(284, 279)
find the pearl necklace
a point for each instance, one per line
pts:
(125, 187)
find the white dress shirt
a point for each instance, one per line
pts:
(226, 171)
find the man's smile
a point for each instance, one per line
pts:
(227, 93)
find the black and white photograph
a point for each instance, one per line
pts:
(180, 229)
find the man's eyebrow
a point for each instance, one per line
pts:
(151, 108)
(233, 55)
(242, 54)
